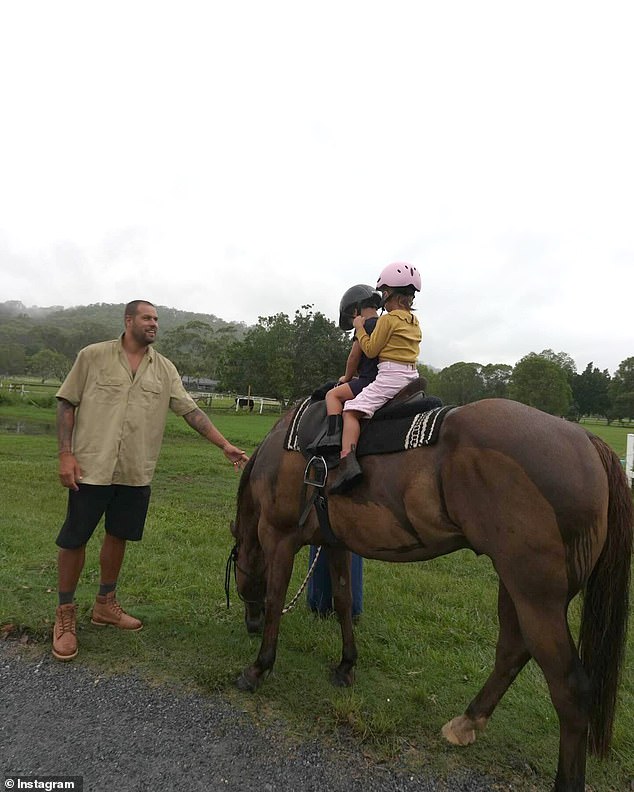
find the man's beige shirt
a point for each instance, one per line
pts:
(120, 417)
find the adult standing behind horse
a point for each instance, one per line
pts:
(111, 415)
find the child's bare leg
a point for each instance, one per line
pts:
(351, 431)
(336, 397)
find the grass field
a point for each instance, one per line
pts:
(426, 638)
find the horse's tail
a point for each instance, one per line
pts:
(605, 606)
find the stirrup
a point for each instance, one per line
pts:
(316, 472)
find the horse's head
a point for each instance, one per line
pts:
(246, 557)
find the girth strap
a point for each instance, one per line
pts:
(316, 476)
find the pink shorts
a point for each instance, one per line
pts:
(392, 378)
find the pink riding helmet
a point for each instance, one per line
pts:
(399, 274)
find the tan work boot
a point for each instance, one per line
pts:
(64, 632)
(108, 611)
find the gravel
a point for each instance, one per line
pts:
(122, 735)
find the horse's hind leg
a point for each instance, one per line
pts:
(548, 638)
(511, 655)
(340, 577)
(536, 626)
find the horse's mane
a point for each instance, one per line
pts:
(246, 473)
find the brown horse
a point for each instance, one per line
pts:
(545, 500)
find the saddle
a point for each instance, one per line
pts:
(385, 432)
(409, 420)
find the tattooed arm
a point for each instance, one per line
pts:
(199, 421)
(69, 472)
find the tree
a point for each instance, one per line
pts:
(460, 383)
(621, 391)
(495, 380)
(263, 361)
(590, 391)
(563, 360)
(283, 359)
(431, 375)
(48, 364)
(541, 383)
(194, 348)
(320, 351)
(12, 359)
(26, 331)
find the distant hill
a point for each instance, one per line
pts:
(110, 316)
(14, 308)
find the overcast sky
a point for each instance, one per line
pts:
(246, 158)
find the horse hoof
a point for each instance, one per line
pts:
(341, 678)
(459, 731)
(244, 683)
(255, 628)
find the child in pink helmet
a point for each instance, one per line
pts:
(396, 342)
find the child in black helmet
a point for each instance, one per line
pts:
(359, 300)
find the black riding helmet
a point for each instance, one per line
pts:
(352, 299)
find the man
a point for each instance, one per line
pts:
(111, 415)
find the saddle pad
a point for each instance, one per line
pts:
(377, 437)
(401, 434)
(291, 442)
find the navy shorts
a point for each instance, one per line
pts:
(357, 384)
(125, 509)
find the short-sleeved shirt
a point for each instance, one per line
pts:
(120, 417)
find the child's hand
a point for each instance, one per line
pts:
(358, 321)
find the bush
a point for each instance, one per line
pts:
(45, 400)
(9, 398)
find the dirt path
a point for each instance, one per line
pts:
(121, 735)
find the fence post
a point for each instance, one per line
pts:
(629, 459)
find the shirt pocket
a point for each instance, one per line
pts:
(151, 391)
(109, 389)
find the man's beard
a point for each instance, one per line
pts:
(142, 337)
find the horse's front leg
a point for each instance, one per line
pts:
(279, 563)
(339, 562)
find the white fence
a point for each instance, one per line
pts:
(230, 401)
(249, 402)
(629, 459)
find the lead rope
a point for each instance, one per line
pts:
(293, 602)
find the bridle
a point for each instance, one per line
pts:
(232, 564)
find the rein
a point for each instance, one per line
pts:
(232, 563)
(293, 602)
